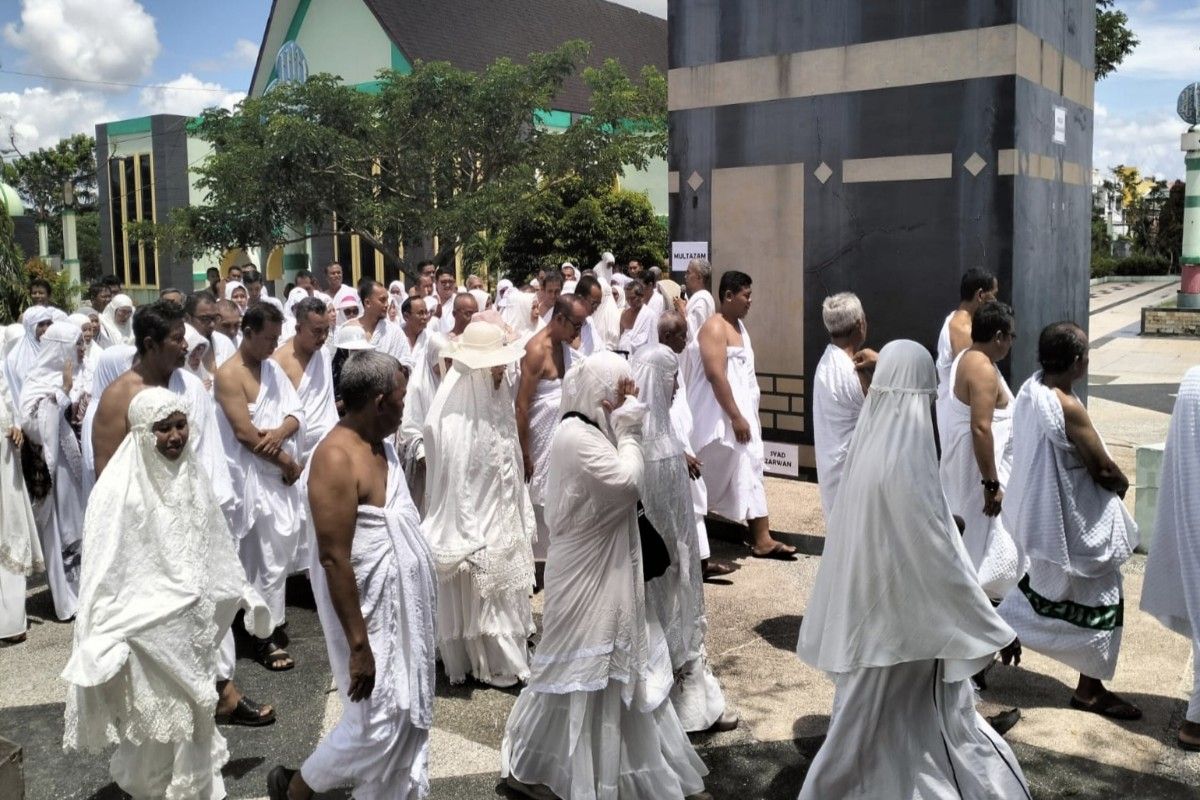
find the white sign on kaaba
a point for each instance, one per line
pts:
(781, 459)
(1060, 125)
(683, 252)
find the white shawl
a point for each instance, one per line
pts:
(1171, 590)
(478, 518)
(113, 363)
(20, 546)
(895, 584)
(160, 581)
(837, 402)
(316, 394)
(700, 307)
(22, 358)
(643, 333)
(1056, 512)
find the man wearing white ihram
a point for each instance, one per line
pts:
(839, 387)
(376, 591)
(478, 519)
(722, 389)
(161, 585)
(676, 598)
(1065, 511)
(1171, 590)
(594, 722)
(898, 619)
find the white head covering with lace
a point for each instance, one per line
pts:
(654, 370)
(118, 333)
(161, 584)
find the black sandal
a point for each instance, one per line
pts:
(278, 781)
(247, 713)
(272, 656)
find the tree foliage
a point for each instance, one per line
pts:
(1114, 39)
(14, 295)
(437, 154)
(39, 176)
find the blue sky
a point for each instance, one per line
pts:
(183, 56)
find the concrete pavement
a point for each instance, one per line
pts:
(754, 617)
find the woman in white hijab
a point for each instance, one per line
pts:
(898, 618)
(594, 720)
(194, 363)
(20, 549)
(161, 586)
(23, 355)
(117, 320)
(236, 291)
(58, 506)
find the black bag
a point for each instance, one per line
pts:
(655, 556)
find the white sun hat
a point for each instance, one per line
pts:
(352, 337)
(482, 345)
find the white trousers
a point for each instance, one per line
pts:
(12, 604)
(226, 657)
(64, 585)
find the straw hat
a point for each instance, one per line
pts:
(482, 345)
(670, 290)
(352, 337)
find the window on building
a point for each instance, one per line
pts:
(131, 199)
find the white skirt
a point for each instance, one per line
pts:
(487, 638)
(12, 604)
(590, 746)
(904, 733)
(173, 770)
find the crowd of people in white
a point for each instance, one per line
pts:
(431, 456)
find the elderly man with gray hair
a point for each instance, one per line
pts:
(839, 388)
(700, 304)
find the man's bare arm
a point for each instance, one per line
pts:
(1096, 459)
(531, 373)
(333, 497)
(981, 384)
(713, 355)
(233, 403)
(109, 427)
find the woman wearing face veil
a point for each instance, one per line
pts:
(161, 584)
(898, 619)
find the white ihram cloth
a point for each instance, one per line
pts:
(997, 559)
(1171, 591)
(675, 598)
(479, 524)
(898, 618)
(607, 317)
(544, 415)
(732, 472)
(112, 364)
(223, 348)
(700, 307)
(837, 402)
(59, 515)
(681, 416)
(21, 359)
(945, 358)
(20, 548)
(423, 383)
(643, 333)
(269, 526)
(1076, 536)
(380, 746)
(316, 396)
(594, 722)
(161, 586)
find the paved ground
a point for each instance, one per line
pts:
(754, 618)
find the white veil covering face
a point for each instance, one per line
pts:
(654, 370)
(895, 583)
(161, 583)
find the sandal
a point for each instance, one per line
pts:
(1108, 705)
(272, 656)
(247, 713)
(278, 781)
(715, 569)
(535, 791)
(778, 551)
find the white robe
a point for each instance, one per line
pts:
(112, 363)
(733, 472)
(223, 348)
(269, 527)
(643, 333)
(161, 586)
(20, 547)
(1076, 535)
(1171, 590)
(423, 383)
(898, 619)
(316, 395)
(681, 417)
(700, 307)
(593, 722)
(945, 357)
(544, 416)
(380, 745)
(998, 561)
(479, 524)
(837, 401)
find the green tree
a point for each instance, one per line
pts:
(1114, 39)
(439, 154)
(14, 294)
(40, 176)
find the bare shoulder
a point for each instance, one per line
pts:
(285, 352)
(1073, 410)
(977, 365)
(334, 457)
(121, 391)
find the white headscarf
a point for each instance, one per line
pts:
(654, 369)
(502, 290)
(160, 581)
(117, 334)
(195, 341)
(12, 334)
(895, 584)
(22, 355)
(589, 383)
(230, 286)
(46, 377)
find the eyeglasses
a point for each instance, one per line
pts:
(209, 318)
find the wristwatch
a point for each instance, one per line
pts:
(991, 487)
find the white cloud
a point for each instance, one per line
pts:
(244, 53)
(1148, 141)
(187, 95)
(91, 40)
(39, 117)
(1168, 43)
